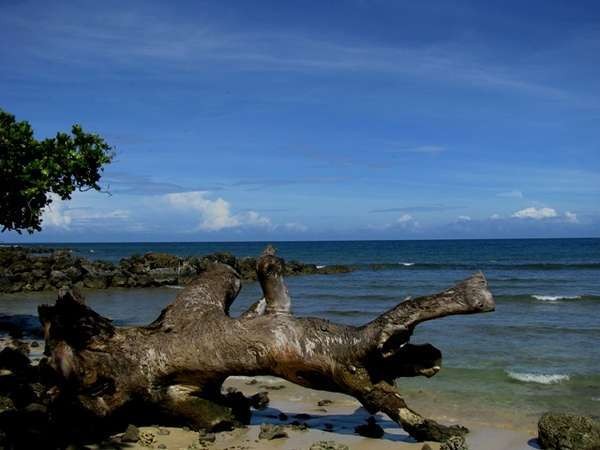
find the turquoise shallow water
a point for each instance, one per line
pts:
(539, 350)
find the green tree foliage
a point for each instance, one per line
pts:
(31, 170)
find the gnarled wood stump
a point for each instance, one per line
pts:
(179, 362)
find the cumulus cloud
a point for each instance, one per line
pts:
(535, 213)
(60, 215)
(571, 217)
(55, 215)
(215, 215)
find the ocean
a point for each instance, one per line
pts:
(539, 351)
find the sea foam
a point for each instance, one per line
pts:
(538, 377)
(554, 298)
(407, 264)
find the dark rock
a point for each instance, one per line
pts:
(161, 446)
(6, 404)
(259, 400)
(324, 402)
(132, 434)
(23, 270)
(568, 432)
(328, 445)
(455, 443)
(252, 381)
(371, 429)
(163, 432)
(36, 408)
(14, 360)
(426, 447)
(269, 431)
(34, 344)
(282, 416)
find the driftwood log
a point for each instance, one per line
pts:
(179, 362)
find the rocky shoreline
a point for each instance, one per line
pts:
(24, 269)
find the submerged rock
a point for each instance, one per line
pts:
(568, 432)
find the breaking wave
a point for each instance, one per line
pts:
(554, 298)
(539, 378)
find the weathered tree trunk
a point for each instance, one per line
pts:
(180, 361)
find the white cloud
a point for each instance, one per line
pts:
(255, 219)
(510, 194)
(535, 213)
(216, 214)
(59, 214)
(117, 214)
(495, 216)
(464, 218)
(404, 218)
(571, 217)
(54, 215)
(294, 226)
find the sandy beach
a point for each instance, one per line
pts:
(332, 422)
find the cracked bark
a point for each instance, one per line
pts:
(180, 361)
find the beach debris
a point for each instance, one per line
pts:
(199, 345)
(558, 431)
(132, 434)
(328, 445)
(371, 429)
(324, 402)
(269, 432)
(252, 382)
(454, 443)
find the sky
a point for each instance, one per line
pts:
(236, 120)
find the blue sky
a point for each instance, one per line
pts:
(316, 120)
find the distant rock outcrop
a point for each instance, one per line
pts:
(39, 269)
